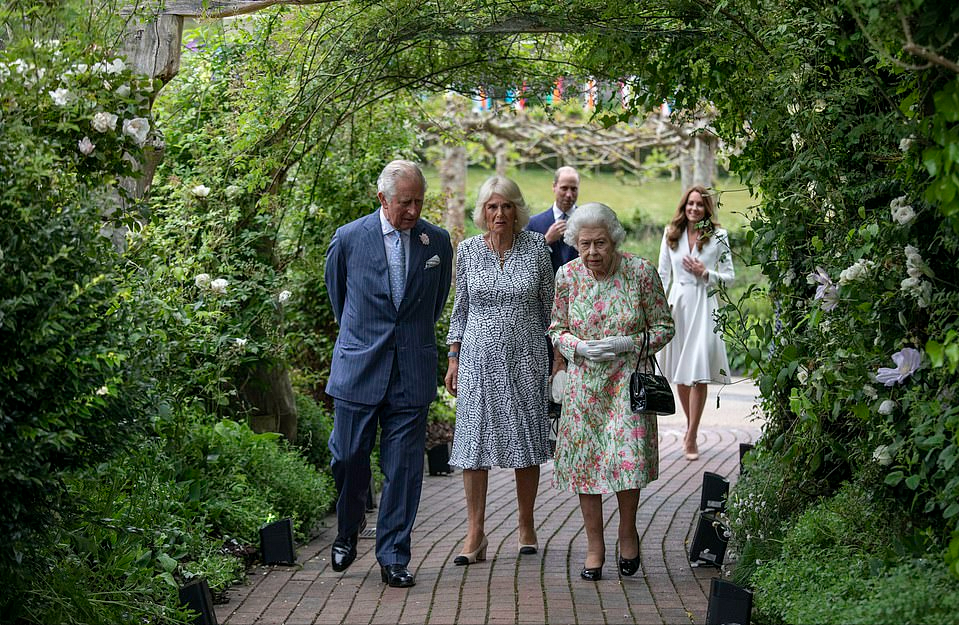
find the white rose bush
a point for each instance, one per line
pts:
(72, 397)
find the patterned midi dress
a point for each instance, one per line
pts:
(499, 317)
(602, 447)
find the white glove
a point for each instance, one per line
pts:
(595, 351)
(558, 387)
(618, 344)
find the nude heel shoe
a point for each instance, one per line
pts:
(474, 556)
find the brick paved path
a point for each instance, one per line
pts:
(509, 588)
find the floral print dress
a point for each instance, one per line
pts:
(602, 447)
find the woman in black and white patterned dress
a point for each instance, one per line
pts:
(497, 359)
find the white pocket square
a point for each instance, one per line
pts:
(432, 262)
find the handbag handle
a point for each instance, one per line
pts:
(645, 355)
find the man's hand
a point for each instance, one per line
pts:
(556, 231)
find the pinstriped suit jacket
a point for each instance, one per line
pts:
(372, 330)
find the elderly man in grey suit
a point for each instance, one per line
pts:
(388, 276)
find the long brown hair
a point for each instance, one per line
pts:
(677, 226)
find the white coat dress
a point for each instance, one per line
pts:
(697, 353)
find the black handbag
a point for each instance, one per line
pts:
(649, 392)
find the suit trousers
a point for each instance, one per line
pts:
(402, 445)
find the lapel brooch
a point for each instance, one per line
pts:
(424, 239)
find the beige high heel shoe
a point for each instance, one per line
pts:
(474, 556)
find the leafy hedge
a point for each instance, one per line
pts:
(68, 391)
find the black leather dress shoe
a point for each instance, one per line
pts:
(397, 576)
(343, 553)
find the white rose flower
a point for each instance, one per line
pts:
(882, 455)
(284, 296)
(202, 280)
(123, 91)
(104, 122)
(903, 215)
(86, 146)
(909, 284)
(857, 271)
(902, 212)
(905, 143)
(240, 343)
(802, 375)
(915, 266)
(61, 96)
(136, 128)
(887, 407)
(115, 67)
(103, 390)
(200, 190)
(219, 286)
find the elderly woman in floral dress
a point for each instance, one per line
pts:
(607, 302)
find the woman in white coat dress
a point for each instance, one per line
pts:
(694, 260)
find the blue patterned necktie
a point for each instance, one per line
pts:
(563, 216)
(397, 262)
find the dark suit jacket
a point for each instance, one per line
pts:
(372, 330)
(559, 252)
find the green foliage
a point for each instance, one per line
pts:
(834, 586)
(247, 479)
(758, 507)
(67, 388)
(443, 408)
(849, 559)
(853, 557)
(171, 509)
(315, 424)
(131, 533)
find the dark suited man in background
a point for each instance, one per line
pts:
(552, 223)
(388, 276)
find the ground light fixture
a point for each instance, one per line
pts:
(276, 542)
